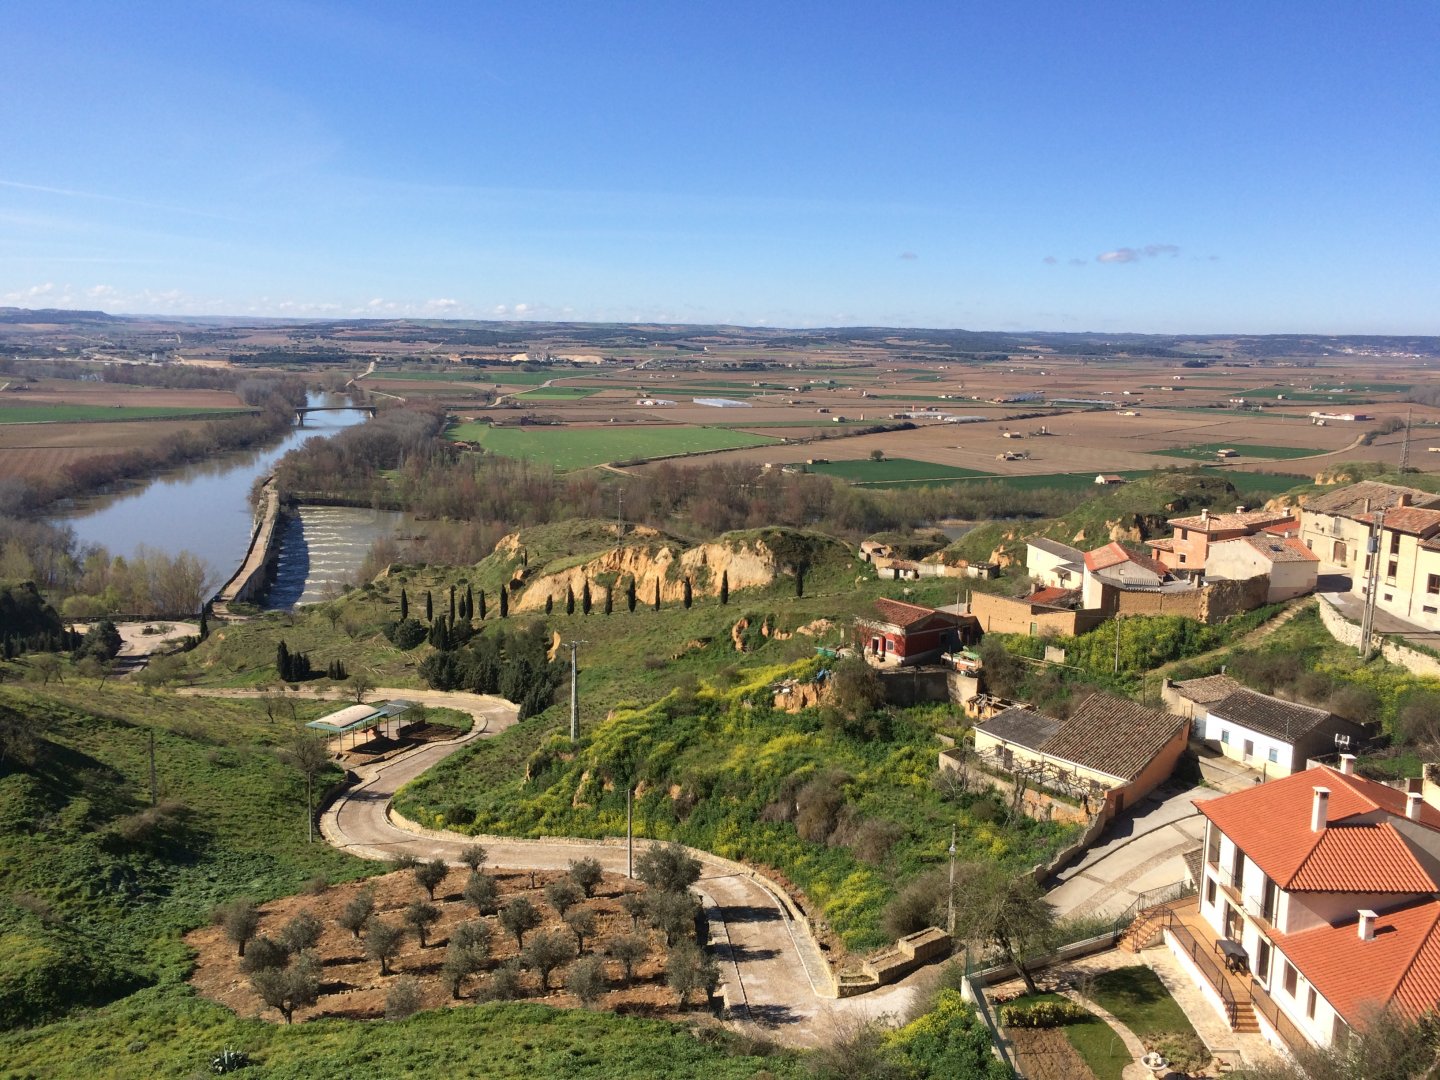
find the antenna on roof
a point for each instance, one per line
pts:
(1342, 742)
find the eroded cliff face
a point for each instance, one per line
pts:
(742, 564)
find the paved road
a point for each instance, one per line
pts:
(1142, 851)
(773, 973)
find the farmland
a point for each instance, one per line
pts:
(580, 448)
(70, 414)
(892, 470)
(1207, 451)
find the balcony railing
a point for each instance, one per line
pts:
(1203, 960)
(1267, 1007)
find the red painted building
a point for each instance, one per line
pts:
(902, 633)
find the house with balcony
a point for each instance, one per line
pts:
(1054, 564)
(900, 633)
(1331, 524)
(1318, 904)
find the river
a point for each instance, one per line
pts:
(205, 509)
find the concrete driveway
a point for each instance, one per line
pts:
(1141, 850)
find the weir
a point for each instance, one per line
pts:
(248, 583)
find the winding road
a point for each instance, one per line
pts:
(773, 973)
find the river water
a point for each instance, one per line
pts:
(205, 509)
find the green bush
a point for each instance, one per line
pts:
(1043, 1014)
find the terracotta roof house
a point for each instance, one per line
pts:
(1323, 891)
(1273, 736)
(1109, 752)
(1407, 581)
(1330, 524)
(1118, 567)
(1188, 547)
(1293, 569)
(902, 633)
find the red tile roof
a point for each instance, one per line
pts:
(1051, 595)
(1115, 553)
(904, 615)
(1271, 824)
(1408, 519)
(1242, 520)
(1400, 965)
(1361, 858)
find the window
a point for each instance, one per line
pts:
(1184, 558)
(1274, 756)
(1210, 892)
(1262, 962)
(1225, 736)
(1310, 1000)
(1432, 584)
(1291, 979)
(1430, 610)
(1389, 596)
(1269, 904)
(1212, 846)
(1391, 570)
(1394, 543)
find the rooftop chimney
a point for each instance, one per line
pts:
(1240, 509)
(1318, 809)
(1413, 802)
(1367, 925)
(1205, 514)
(1347, 764)
(1403, 499)
(1367, 504)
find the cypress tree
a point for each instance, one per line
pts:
(505, 603)
(799, 582)
(429, 607)
(204, 623)
(630, 594)
(657, 594)
(482, 603)
(724, 586)
(569, 600)
(689, 597)
(608, 604)
(404, 605)
(585, 603)
(470, 603)
(452, 603)
(282, 662)
(549, 604)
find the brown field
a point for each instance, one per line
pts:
(352, 986)
(41, 449)
(63, 392)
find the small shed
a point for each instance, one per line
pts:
(1109, 479)
(355, 720)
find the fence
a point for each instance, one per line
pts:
(974, 992)
(1153, 898)
(1265, 1005)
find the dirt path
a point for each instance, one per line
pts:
(773, 973)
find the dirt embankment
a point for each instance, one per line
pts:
(736, 564)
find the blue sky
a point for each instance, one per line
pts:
(1217, 167)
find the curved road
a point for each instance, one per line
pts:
(772, 971)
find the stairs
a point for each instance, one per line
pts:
(1245, 1021)
(1144, 931)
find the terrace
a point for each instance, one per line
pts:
(1242, 1000)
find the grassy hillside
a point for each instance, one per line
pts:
(718, 768)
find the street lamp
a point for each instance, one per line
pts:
(950, 914)
(574, 692)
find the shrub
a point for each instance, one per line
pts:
(474, 856)
(357, 913)
(503, 984)
(302, 932)
(630, 950)
(586, 979)
(587, 874)
(482, 893)
(1043, 1014)
(562, 896)
(406, 634)
(264, 954)
(404, 998)
(668, 867)
(431, 874)
(546, 952)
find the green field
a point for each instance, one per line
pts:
(70, 414)
(581, 448)
(893, 470)
(1206, 451)
(559, 393)
(504, 376)
(1245, 482)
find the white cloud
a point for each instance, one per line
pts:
(1050, 260)
(909, 256)
(1129, 255)
(442, 306)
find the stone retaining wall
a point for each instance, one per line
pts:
(1347, 633)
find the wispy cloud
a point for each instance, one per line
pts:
(1050, 260)
(120, 200)
(1129, 255)
(909, 256)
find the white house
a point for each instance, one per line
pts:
(1273, 736)
(1054, 564)
(1292, 568)
(1321, 891)
(1331, 525)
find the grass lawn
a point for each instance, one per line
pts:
(1206, 451)
(1139, 1000)
(1056, 481)
(581, 448)
(63, 414)
(892, 470)
(1093, 1039)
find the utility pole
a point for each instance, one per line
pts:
(574, 692)
(950, 913)
(619, 516)
(154, 786)
(1372, 583)
(630, 827)
(1405, 446)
